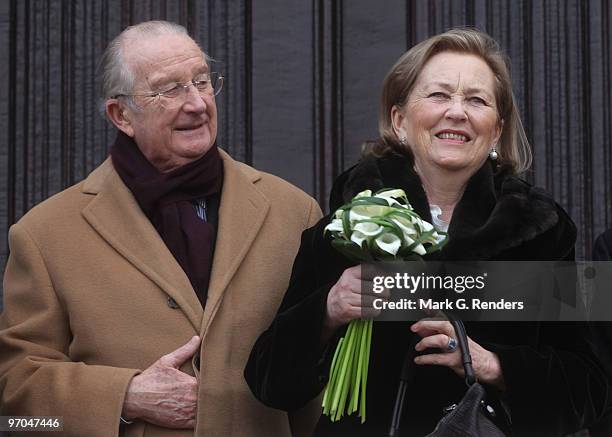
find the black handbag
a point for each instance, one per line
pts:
(468, 418)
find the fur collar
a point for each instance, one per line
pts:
(496, 218)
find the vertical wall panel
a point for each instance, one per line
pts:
(6, 141)
(599, 113)
(282, 87)
(373, 40)
(221, 30)
(328, 95)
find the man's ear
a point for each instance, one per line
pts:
(120, 116)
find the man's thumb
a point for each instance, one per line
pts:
(182, 354)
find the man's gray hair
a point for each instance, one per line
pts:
(114, 75)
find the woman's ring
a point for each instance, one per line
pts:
(452, 344)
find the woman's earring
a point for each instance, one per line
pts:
(493, 154)
(403, 141)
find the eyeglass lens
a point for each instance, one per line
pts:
(174, 100)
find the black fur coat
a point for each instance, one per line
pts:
(554, 383)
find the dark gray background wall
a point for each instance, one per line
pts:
(303, 79)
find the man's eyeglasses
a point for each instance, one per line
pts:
(173, 95)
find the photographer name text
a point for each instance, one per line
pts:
(447, 304)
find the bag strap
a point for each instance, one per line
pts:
(466, 358)
(408, 370)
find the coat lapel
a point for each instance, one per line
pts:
(116, 216)
(242, 212)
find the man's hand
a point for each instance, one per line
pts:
(162, 394)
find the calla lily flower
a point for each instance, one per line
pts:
(368, 229)
(364, 212)
(334, 225)
(419, 249)
(358, 238)
(437, 238)
(364, 193)
(396, 193)
(407, 240)
(390, 243)
(391, 196)
(406, 226)
(426, 226)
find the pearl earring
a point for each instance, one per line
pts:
(403, 141)
(493, 154)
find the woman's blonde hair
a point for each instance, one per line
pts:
(514, 152)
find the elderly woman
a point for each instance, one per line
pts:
(451, 137)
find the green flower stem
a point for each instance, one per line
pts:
(363, 325)
(333, 383)
(342, 363)
(352, 370)
(354, 404)
(349, 373)
(332, 378)
(366, 365)
(342, 389)
(356, 376)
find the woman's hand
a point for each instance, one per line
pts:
(437, 334)
(346, 302)
(344, 299)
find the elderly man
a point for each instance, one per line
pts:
(133, 298)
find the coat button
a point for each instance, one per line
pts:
(172, 303)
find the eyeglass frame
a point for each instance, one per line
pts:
(184, 85)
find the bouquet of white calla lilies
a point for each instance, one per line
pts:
(382, 226)
(372, 227)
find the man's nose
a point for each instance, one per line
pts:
(194, 101)
(456, 110)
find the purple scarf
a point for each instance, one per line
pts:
(167, 199)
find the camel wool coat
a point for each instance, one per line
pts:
(92, 296)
